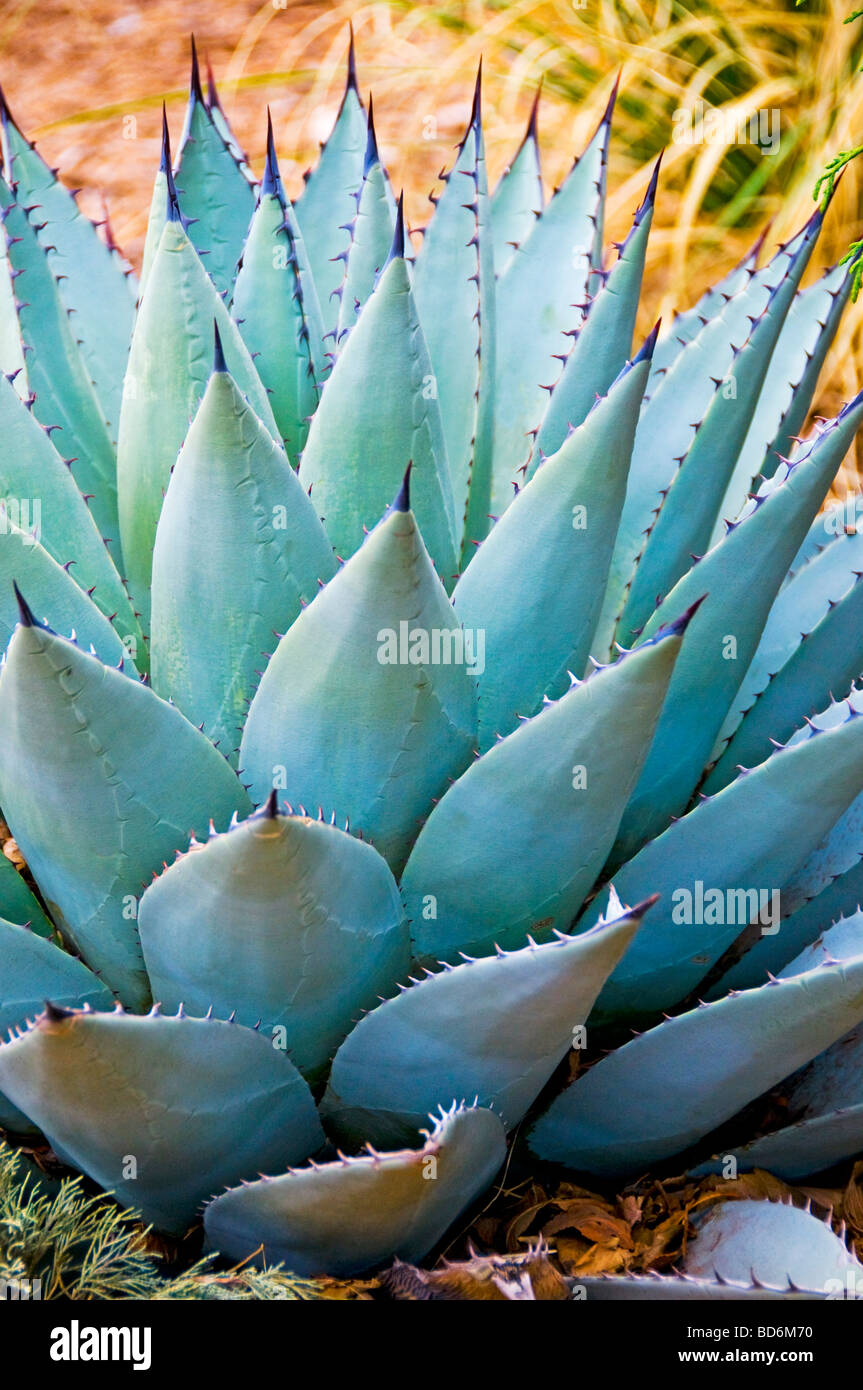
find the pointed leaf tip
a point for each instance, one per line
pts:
(650, 195)
(397, 250)
(25, 612)
(271, 805)
(679, 625)
(196, 91)
(372, 157)
(532, 132)
(55, 1013)
(645, 352)
(219, 364)
(165, 162)
(271, 182)
(402, 500)
(476, 108)
(352, 85)
(609, 109)
(213, 102)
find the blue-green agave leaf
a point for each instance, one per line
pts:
(93, 811)
(789, 386)
(603, 343)
(678, 1288)
(799, 606)
(35, 480)
(536, 584)
(361, 441)
(674, 416)
(367, 707)
(771, 1243)
(826, 659)
(667, 1088)
(169, 367)
(839, 518)
(725, 864)
(517, 843)
(30, 969)
(160, 1111)
(218, 198)
(518, 198)
(17, 903)
(285, 920)
(459, 327)
(494, 1028)
(64, 396)
(540, 297)
(94, 282)
(741, 577)
(372, 232)
(349, 1216)
(690, 504)
(328, 202)
(275, 306)
(232, 495)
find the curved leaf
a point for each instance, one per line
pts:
(495, 1028)
(741, 577)
(518, 198)
(540, 297)
(361, 441)
(372, 232)
(275, 306)
(459, 327)
(659, 1094)
(232, 499)
(284, 920)
(345, 1217)
(367, 706)
(95, 283)
(536, 584)
(169, 367)
(93, 811)
(602, 344)
(517, 843)
(771, 1242)
(160, 1111)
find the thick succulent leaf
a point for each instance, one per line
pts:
(727, 861)
(536, 583)
(95, 284)
(367, 707)
(276, 308)
(328, 202)
(284, 920)
(92, 804)
(518, 198)
(64, 396)
(361, 441)
(31, 472)
(217, 196)
(50, 590)
(799, 606)
(688, 324)
(493, 1028)
(836, 519)
(773, 1243)
(741, 577)
(349, 1216)
(602, 344)
(160, 1111)
(30, 969)
(826, 659)
(169, 367)
(239, 550)
(540, 297)
(789, 386)
(659, 1094)
(516, 844)
(372, 232)
(824, 1102)
(673, 418)
(459, 327)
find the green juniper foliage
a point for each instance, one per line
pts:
(464, 635)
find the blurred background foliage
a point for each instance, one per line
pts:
(88, 83)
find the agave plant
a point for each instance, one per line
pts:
(309, 549)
